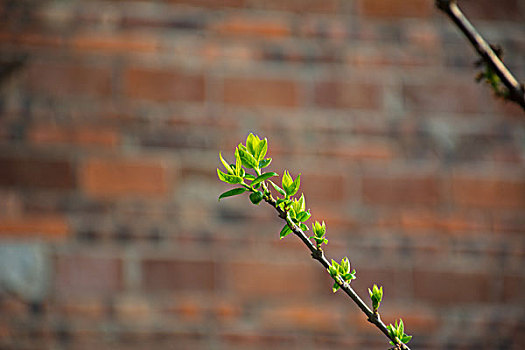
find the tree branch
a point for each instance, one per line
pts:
(318, 254)
(515, 89)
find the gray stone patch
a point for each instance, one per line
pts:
(24, 270)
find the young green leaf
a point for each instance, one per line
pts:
(303, 226)
(333, 268)
(286, 181)
(256, 197)
(247, 159)
(251, 144)
(299, 205)
(262, 148)
(231, 179)
(238, 162)
(277, 188)
(290, 186)
(264, 163)
(226, 165)
(263, 177)
(376, 295)
(303, 216)
(345, 266)
(234, 192)
(285, 231)
(319, 229)
(405, 338)
(295, 185)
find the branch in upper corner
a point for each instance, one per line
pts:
(495, 72)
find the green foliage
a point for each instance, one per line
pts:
(489, 76)
(277, 188)
(319, 234)
(231, 179)
(250, 156)
(232, 192)
(341, 270)
(290, 185)
(376, 294)
(263, 177)
(398, 331)
(247, 176)
(286, 230)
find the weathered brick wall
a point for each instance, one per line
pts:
(111, 236)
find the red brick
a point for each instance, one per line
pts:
(255, 280)
(451, 287)
(257, 340)
(163, 85)
(300, 6)
(400, 191)
(369, 151)
(171, 274)
(303, 317)
(84, 308)
(189, 309)
(330, 94)
(513, 286)
(83, 275)
(252, 27)
(124, 177)
(14, 307)
(323, 187)
(395, 282)
(36, 173)
(124, 42)
(210, 3)
(226, 311)
(395, 8)
(39, 39)
(446, 97)
(50, 226)
(508, 222)
(488, 193)
(425, 220)
(485, 9)
(77, 135)
(260, 92)
(66, 79)
(11, 203)
(132, 309)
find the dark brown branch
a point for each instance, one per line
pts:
(318, 255)
(516, 90)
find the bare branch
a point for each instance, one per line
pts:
(515, 89)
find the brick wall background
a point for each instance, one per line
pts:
(111, 236)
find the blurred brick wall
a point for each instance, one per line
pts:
(111, 236)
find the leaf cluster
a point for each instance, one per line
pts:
(296, 212)
(249, 156)
(319, 234)
(246, 173)
(489, 75)
(398, 331)
(376, 295)
(342, 271)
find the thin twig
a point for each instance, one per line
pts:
(516, 90)
(318, 255)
